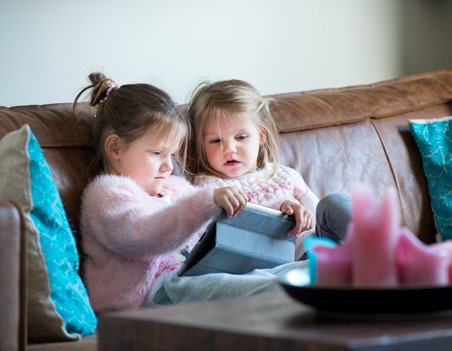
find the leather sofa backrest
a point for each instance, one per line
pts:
(338, 137)
(333, 137)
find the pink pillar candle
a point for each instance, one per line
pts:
(375, 236)
(330, 264)
(445, 247)
(421, 264)
(333, 266)
(377, 252)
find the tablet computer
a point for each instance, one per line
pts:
(254, 238)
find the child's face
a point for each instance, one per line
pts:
(149, 159)
(232, 145)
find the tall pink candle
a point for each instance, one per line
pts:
(375, 236)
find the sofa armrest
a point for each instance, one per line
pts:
(12, 277)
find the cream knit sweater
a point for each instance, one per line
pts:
(286, 184)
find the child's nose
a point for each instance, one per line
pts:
(229, 147)
(167, 164)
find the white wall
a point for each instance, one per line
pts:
(48, 47)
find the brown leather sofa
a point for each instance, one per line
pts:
(334, 137)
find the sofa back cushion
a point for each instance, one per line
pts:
(338, 137)
(333, 137)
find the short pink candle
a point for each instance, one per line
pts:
(375, 235)
(421, 264)
(333, 264)
(445, 247)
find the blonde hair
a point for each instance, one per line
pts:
(223, 98)
(128, 111)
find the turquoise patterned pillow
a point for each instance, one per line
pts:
(58, 304)
(434, 140)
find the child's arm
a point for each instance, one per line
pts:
(302, 192)
(309, 199)
(303, 204)
(124, 219)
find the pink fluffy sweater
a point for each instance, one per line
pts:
(130, 239)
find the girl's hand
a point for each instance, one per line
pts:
(231, 198)
(304, 219)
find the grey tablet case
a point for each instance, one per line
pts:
(254, 238)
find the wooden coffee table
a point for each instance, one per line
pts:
(267, 322)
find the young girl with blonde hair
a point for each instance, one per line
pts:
(138, 220)
(235, 143)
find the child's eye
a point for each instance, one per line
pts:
(242, 136)
(215, 141)
(156, 152)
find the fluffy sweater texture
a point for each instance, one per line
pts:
(131, 239)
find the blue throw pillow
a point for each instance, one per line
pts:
(434, 140)
(58, 304)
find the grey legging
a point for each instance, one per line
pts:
(333, 215)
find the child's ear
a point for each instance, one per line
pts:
(113, 146)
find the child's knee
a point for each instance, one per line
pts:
(333, 214)
(334, 203)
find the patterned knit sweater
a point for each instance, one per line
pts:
(132, 239)
(286, 184)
